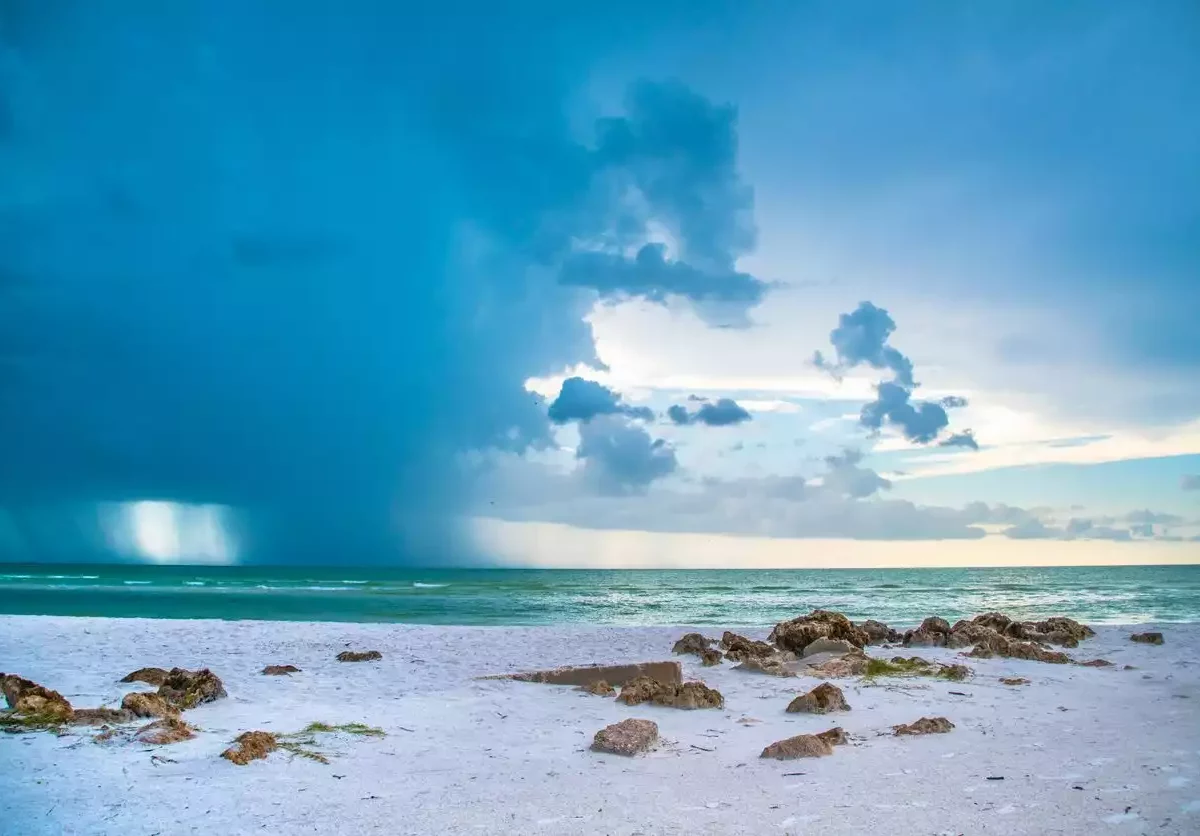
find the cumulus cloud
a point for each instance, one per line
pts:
(619, 457)
(583, 400)
(846, 478)
(723, 412)
(966, 438)
(861, 338)
(306, 284)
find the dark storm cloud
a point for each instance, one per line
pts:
(723, 412)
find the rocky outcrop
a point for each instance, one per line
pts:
(693, 643)
(820, 700)
(187, 689)
(997, 645)
(878, 632)
(142, 704)
(280, 670)
(800, 746)
(359, 656)
(628, 737)
(249, 746)
(775, 665)
(25, 696)
(151, 676)
(924, 638)
(934, 624)
(668, 672)
(599, 689)
(926, 725)
(800, 632)
(1147, 638)
(101, 716)
(689, 695)
(739, 648)
(164, 732)
(710, 658)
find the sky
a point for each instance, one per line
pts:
(619, 284)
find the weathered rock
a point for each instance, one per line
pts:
(1097, 663)
(1058, 637)
(25, 696)
(835, 736)
(926, 725)
(924, 638)
(1014, 680)
(101, 716)
(772, 665)
(151, 676)
(280, 670)
(820, 700)
(142, 704)
(710, 658)
(689, 695)
(359, 656)
(997, 621)
(187, 689)
(628, 737)
(1147, 638)
(668, 672)
(800, 746)
(693, 643)
(878, 632)
(739, 648)
(828, 646)
(842, 667)
(997, 645)
(599, 689)
(250, 746)
(1070, 627)
(934, 624)
(967, 633)
(800, 632)
(164, 732)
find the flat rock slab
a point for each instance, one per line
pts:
(628, 737)
(668, 673)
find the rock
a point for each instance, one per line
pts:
(1147, 638)
(924, 638)
(820, 700)
(835, 736)
(25, 696)
(599, 689)
(739, 648)
(1058, 637)
(1014, 680)
(250, 746)
(878, 632)
(799, 633)
(1097, 663)
(771, 665)
(187, 689)
(828, 646)
(628, 737)
(998, 645)
(151, 676)
(800, 746)
(142, 704)
(843, 667)
(1058, 625)
(689, 695)
(101, 716)
(693, 643)
(359, 656)
(710, 658)
(618, 675)
(165, 731)
(280, 670)
(997, 621)
(926, 725)
(933, 624)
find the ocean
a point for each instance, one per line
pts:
(1121, 594)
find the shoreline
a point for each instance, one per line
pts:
(464, 755)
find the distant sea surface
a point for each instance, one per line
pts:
(1123, 594)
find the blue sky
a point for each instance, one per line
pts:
(292, 282)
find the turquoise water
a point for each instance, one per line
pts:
(1124, 594)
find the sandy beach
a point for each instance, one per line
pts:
(1078, 750)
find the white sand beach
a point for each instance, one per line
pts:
(1079, 750)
